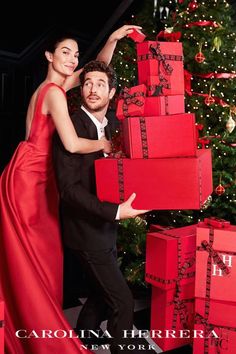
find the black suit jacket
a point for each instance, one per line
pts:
(87, 223)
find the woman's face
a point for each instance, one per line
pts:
(66, 57)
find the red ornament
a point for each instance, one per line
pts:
(193, 5)
(199, 57)
(220, 189)
(209, 100)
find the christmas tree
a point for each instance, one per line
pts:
(207, 31)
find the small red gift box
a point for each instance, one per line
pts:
(137, 36)
(172, 316)
(161, 136)
(132, 102)
(163, 60)
(216, 262)
(164, 105)
(1, 327)
(154, 88)
(215, 327)
(168, 183)
(170, 257)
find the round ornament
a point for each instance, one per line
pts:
(199, 57)
(209, 100)
(219, 189)
(193, 5)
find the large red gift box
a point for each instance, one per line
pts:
(164, 60)
(217, 316)
(163, 105)
(1, 327)
(168, 183)
(216, 262)
(132, 102)
(161, 136)
(172, 316)
(170, 257)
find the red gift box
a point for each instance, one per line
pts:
(172, 314)
(163, 105)
(220, 318)
(1, 327)
(132, 102)
(157, 228)
(154, 88)
(137, 36)
(165, 61)
(170, 257)
(168, 183)
(216, 262)
(162, 136)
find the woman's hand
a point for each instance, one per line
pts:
(106, 145)
(123, 32)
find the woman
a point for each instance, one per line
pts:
(30, 244)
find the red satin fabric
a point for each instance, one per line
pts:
(30, 245)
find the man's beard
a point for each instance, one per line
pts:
(93, 108)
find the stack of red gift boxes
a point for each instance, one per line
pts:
(189, 307)
(170, 268)
(215, 288)
(163, 165)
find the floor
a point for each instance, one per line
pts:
(141, 321)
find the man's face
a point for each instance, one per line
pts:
(95, 91)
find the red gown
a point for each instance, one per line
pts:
(31, 259)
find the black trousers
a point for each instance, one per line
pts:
(110, 297)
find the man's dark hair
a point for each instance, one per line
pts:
(96, 65)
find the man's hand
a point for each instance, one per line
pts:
(127, 211)
(106, 145)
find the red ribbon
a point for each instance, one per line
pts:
(188, 89)
(202, 23)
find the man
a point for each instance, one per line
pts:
(88, 225)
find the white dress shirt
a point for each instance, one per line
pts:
(101, 133)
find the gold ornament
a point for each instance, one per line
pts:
(217, 42)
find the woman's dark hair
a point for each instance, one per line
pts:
(59, 37)
(96, 65)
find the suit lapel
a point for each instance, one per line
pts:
(89, 125)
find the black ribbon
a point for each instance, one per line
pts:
(131, 99)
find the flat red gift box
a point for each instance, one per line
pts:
(168, 183)
(1, 327)
(220, 318)
(154, 89)
(216, 262)
(137, 36)
(163, 60)
(173, 313)
(170, 257)
(164, 105)
(132, 102)
(161, 136)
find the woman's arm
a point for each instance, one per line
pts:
(56, 104)
(105, 54)
(107, 51)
